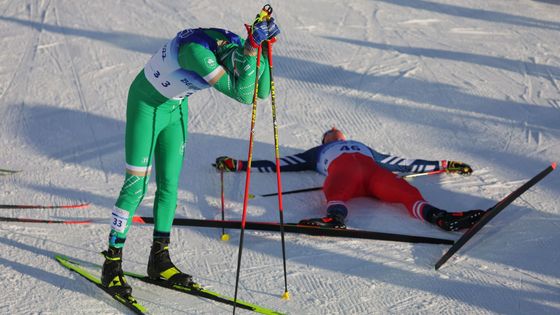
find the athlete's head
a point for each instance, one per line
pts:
(331, 135)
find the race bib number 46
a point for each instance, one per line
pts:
(119, 219)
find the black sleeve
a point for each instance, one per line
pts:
(306, 161)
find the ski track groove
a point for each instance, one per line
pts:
(318, 285)
(23, 72)
(75, 80)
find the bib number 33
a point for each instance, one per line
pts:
(119, 219)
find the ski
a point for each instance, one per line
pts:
(491, 213)
(128, 301)
(288, 192)
(48, 221)
(195, 290)
(72, 206)
(199, 291)
(302, 229)
(4, 172)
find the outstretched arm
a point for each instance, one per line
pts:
(305, 161)
(402, 165)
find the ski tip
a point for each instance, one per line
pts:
(553, 165)
(138, 219)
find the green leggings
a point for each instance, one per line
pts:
(156, 129)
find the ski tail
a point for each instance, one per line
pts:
(492, 212)
(128, 301)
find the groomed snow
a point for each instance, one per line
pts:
(477, 81)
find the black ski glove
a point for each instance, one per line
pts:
(457, 167)
(227, 164)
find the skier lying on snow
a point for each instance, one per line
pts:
(353, 170)
(156, 126)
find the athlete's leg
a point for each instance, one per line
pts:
(142, 130)
(345, 180)
(169, 156)
(386, 186)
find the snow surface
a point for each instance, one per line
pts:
(477, 81)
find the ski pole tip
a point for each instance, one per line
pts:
(225, 237)
(286, 296)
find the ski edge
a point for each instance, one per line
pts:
(71, 265)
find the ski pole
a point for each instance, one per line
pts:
(266, 11)
(286, 295)
(412, 175)
(423, 174)
(225, 236)
(251, 196)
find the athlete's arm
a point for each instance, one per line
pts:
(238, 83)
(298, 162)
(401, 165)
(305, 161)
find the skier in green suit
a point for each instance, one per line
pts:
(156, 130)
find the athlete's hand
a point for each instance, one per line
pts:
(257, 33)
(458, 167)
(227, 164)
(273, 29)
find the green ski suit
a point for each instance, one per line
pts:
(157, 115)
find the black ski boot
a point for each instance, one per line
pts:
(332, 222)
(454, 221)
(161, 267)
(112, 276)
(336, 213)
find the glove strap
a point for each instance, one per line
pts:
(239, 165)
(250, 36)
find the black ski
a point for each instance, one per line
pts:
(48, 221)
(491, 213)
(4, 172)
(127, 301)
(302, 229)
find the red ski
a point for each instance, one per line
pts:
(72, 206)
